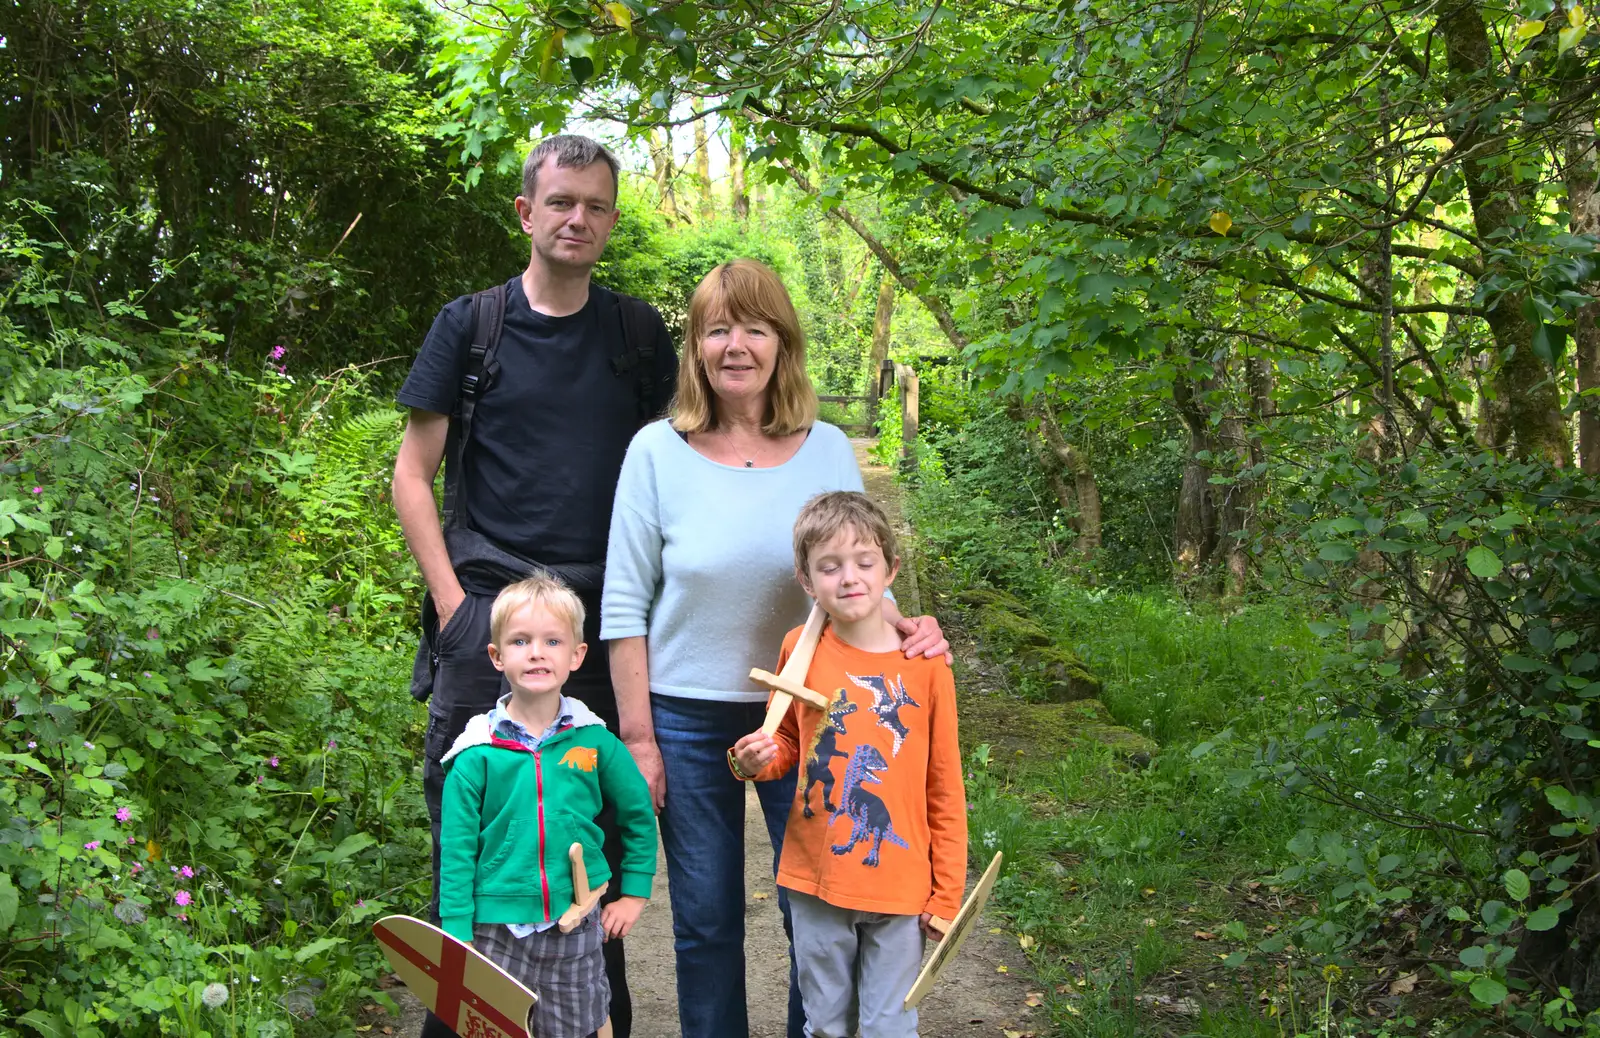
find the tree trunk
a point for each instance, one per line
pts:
(1584, 202)
(882, 317)
(881, 320)
(661, 161)
(736, 188)
(1084, 487)
(1194, 532)
(1522, 381)
(1237, 512)
(702, 166)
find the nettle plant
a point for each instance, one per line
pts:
(1462, 728)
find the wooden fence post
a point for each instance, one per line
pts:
(909, 394)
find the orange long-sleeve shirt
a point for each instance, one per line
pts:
(879, 820)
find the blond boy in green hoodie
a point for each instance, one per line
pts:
(524, 782)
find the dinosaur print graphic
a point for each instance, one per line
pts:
(825, 747)
(869, 816)
(584, 758)
(888, 696)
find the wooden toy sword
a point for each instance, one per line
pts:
(791, 683)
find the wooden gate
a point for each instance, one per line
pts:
(891, 376)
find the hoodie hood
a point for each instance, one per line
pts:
(480, 731)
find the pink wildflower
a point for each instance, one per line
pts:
(186, 872)
(333, 744)
(273, 762)
(183, 917)
(88, 745)
(123, 814)
(92, 845)
(182, 899)
(137, 867)
(38, 490)
(277, 352)
(131, 841)
(32, 745)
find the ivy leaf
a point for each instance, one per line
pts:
(1484, 563)
(1220, 222)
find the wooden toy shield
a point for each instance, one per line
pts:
(468, 992)
(954, 934)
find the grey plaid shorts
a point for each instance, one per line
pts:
(566, 971)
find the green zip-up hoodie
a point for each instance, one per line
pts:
(511, 813)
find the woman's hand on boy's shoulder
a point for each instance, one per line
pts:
(617, 918)
(922, 636)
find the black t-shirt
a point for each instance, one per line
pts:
(549, 435)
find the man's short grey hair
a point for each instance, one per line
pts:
(571, 152)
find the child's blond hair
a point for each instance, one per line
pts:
(827, 514)
(543, 590)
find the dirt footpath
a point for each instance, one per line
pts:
(974, 998)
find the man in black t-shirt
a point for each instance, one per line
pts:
(539, 469)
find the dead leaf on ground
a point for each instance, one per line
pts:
(1404, 985)
(1204, 935)
(1034, 1000)
(1166, 1003)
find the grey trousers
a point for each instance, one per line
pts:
(855, 969)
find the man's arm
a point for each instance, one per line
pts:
(421, 451)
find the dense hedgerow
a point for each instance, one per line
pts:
(206, 786)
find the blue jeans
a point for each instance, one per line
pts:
(702, 829)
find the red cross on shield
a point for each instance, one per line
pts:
(476, 998)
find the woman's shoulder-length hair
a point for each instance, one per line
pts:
(743, 290)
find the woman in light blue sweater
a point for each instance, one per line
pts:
(699, 588)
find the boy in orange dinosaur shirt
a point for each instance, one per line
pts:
(877, 839)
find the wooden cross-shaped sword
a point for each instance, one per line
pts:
(791, 684)
(583, 899)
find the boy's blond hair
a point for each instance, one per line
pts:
(827, 514)
(542, 590)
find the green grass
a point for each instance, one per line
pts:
(1116, 867)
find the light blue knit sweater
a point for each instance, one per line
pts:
(702, 558)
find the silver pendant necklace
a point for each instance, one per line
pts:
(749, 462)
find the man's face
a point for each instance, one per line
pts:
(571, 214)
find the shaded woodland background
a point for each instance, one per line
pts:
(1259, 351)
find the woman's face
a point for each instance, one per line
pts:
(740, 357)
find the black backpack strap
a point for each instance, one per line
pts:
(638, 356)
(478, 370)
